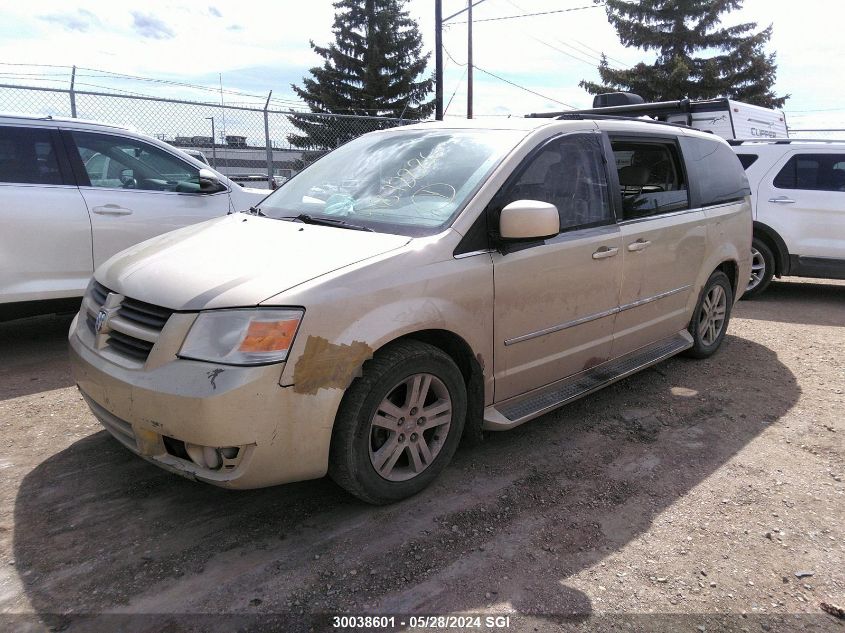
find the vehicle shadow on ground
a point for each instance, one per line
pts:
(98, 529)
(37, 342)
(809, 303)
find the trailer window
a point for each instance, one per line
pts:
(651, 178)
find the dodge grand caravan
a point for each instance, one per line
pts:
(414, 287)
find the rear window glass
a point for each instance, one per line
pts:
(27, 156)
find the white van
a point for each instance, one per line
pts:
(74, 193)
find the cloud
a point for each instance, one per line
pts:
(234, 27)
(81, 21)
(215, 12)
(147, 25)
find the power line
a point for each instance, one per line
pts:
(563, 52)
(507, 81)
(530, 15)
(515, 85)
(457, 86)
(818, 110)
(579, 52)
(621, 63)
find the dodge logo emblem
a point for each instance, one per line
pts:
(99, 324)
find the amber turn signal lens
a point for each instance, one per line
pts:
(268, 336)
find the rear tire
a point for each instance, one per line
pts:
(399, 424)
(762, 268)
(711, 316)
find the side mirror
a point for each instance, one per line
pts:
(209, 182)
(127, 179)
(529, 220)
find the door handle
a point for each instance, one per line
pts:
(782, 200)
(639, 245)
(111, 209)
(604, 252)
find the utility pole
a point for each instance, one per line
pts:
(267, 146)
(438, 55)
(469, 59)
(213, 143)
(438, 60)
(73, 93)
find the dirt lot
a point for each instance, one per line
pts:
(697, 487)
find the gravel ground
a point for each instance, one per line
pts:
(688, 497)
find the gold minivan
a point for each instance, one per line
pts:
(413, 287)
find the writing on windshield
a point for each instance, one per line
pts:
(408, 179)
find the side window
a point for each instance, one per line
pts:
(650, 176)
(122, 163)
(814, 172)
(715, 171)
(28, 156)
(568, 173)
(747, 160)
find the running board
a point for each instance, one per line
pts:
(515, 411)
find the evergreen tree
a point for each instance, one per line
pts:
(373, 68)
(738, 66)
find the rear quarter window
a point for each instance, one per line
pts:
(716, 171)
(747, 159)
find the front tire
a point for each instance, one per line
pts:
(712, 313)
(399, 424)
(762, 268)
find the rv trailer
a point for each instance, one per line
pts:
(724, 117)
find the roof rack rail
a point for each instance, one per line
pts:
(782, 141)
(586, 116)
(655, 108)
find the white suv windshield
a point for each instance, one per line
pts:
(410, 182)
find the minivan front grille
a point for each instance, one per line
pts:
(134, 326)
(144, 314)
(129, 345)
(99, 293)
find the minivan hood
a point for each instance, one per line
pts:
(236, 261)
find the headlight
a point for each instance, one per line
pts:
(242, 337)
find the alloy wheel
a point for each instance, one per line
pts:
(410, 427)
(758, 269)
(711, 316)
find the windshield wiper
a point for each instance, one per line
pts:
(251, 211)
(342, 224)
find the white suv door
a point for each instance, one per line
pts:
(45, 232)
(136, 190)
(802, 197)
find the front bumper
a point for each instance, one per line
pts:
(281, 436)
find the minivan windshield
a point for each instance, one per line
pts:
(410, 182)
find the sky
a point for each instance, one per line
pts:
(263, 45)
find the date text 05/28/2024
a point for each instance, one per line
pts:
(488, 622)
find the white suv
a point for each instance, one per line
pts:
(74, 193)
(798, 191)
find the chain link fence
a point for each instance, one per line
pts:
(247, 143)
